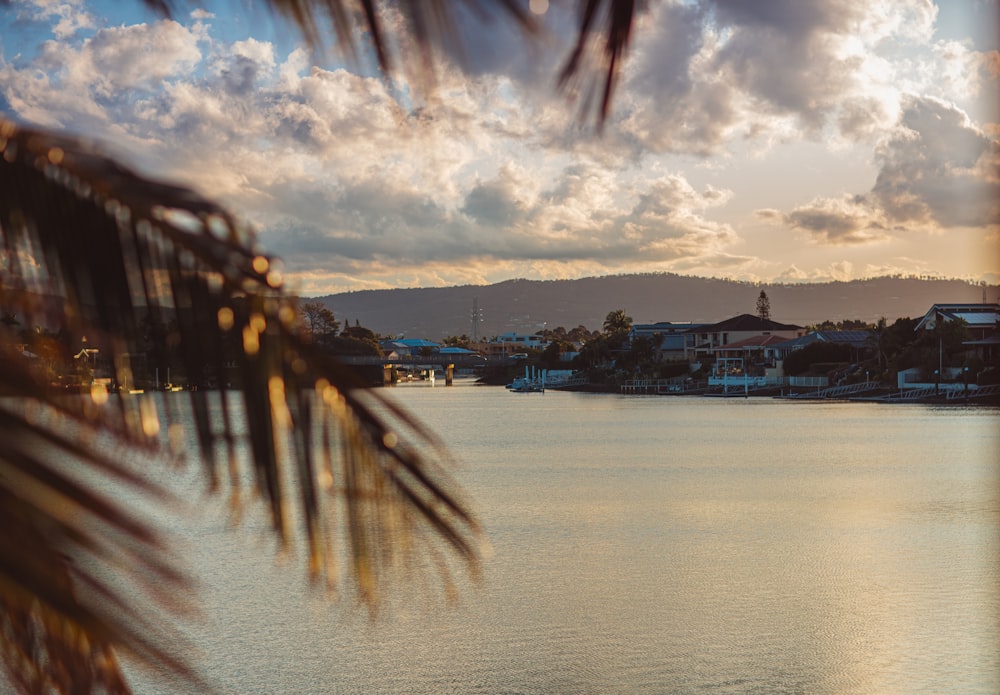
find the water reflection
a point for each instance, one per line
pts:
(649, 545)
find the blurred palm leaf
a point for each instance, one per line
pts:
(117, 250)
(126, 261)
(603, 33)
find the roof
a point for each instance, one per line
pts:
(664, 327)
(453, 350)
(978, 315)
(988, 340)
(853, 338)
(747, 322)
(416, 343)
(755, 341)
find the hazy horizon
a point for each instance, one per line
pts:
(755, 283)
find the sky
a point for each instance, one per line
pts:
(773, 141)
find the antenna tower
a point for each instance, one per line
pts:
(477, 318)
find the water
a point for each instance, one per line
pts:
(655, 545)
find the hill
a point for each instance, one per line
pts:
(526, 306)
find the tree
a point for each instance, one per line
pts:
(641, 353)
(764, 306)
(169, 257)
(319, 319)
(461, 341)
(617, 324)
(550, 357)
(595, 353)
(355, 340)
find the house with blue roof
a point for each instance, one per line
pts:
(675, 338)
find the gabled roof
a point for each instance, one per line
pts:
(747, 322)
(978, 315)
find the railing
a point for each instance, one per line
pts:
(662, 386)
(974, 391)
(838, 391)
(566, 383)
(909, 395)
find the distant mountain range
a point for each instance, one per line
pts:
(526, 306)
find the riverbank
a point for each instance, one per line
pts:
(879, 394)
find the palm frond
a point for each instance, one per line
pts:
(602, 40)
(600, 48)
(142, 266)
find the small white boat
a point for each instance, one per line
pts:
(533, 381)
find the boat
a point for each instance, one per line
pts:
(522, 385)
(533, 381)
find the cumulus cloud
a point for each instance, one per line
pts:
(66, 17)
(356, 179)
(90, 84)
(702, 74)
(936, 171)
(836, 221)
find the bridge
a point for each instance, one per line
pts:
(448, 363)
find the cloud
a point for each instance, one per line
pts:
(703, 74)
(69, 16)
(833, 221)
(937, 169)
(355, 179)
(90, 84)
(838, 271)
(495, 203)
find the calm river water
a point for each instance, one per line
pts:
(657, 545)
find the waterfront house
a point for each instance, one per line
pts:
(862, 343)
(981, 320)
(710, 339)
(409, 347)
(754, 355)
(512, 343)
(982, 325)
(675, 339)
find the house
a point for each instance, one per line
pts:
(711, 338)
(981, 320)
(982, 325)
(675, 338)
(862, 343)
(408, 347)
(512, 344)
(755, 355)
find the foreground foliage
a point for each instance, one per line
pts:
(95, 252)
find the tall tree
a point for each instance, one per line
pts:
(763, 306)
(617, 324)
(319, 319)
(120, 252)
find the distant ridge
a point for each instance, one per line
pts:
(526, 306)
